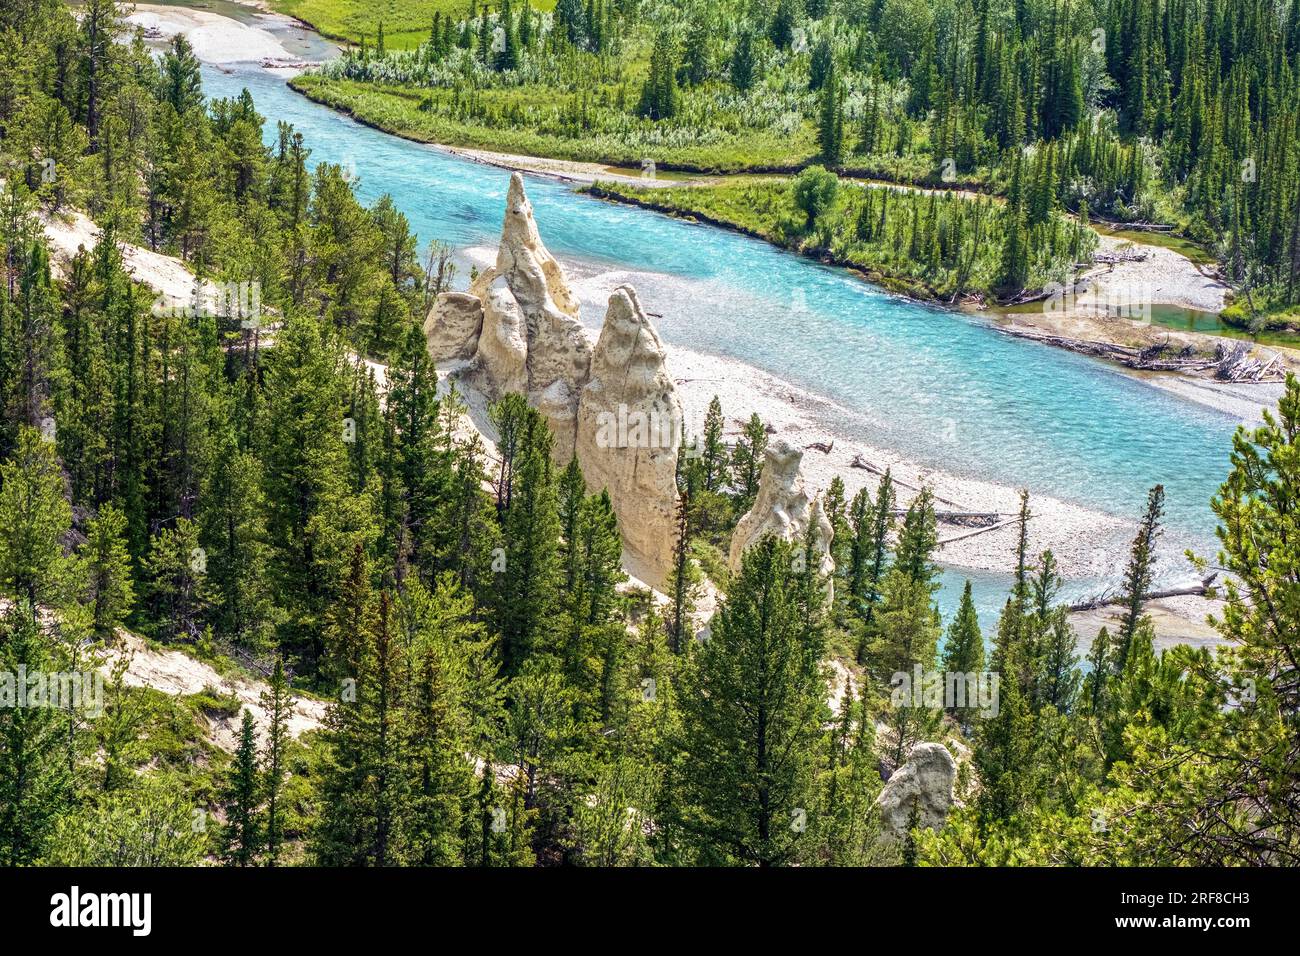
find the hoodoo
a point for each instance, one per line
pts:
(614, 406)
(629, 428)
(922, 785)
(783, 507)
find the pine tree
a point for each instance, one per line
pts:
(233, 535)
(963, 652)
(751, 709)
(453, 704)
(713, 455)
(304, 422)
(1004, 752)
(659, 96)
(696, 64)
(36, 783)
(180, 82)
(525, 586)
(684, 581)
(34, 517)
(277, 702)
(1015, 252)
(747, 461)
(106, 570)
(242, 835)
(830, 123)
(571, 20)
(869, 552)
(507, 58)
(781, 28)
(743, 66)
(1138, 574)
(364, 791)
(176, 590)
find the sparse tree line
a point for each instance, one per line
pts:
(497, 694)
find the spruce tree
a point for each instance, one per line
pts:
(242, 834)
(277, 702)
(34, 517)
(751, 711)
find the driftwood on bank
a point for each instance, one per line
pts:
(1237, 365)
(963, 519)
(1107, 599)
(860, 462)
(1133, 226)
(979, 530)
(1227, 364)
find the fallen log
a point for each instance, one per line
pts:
(964, 519)
(1105, 600)
(1228, 365)
(821, 446)
(971, 534)
(860, 462)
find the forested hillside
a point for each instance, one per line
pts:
(233, 481)
(1176, 112)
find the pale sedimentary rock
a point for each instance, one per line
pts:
(453, 326)
(530, 339)
(614, 406)
(923, 785)
(783, 507)
(501, 361)
(536, 277)
(629, 429)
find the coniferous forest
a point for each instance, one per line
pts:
(443, 661)
(1180, 113)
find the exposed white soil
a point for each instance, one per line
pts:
(69, 231)
(175, 672)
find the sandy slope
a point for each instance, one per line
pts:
(174, 672)
(69, 231)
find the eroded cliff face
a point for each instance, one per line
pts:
(614, 405)
(783, 507)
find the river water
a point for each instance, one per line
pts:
(941, 388)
